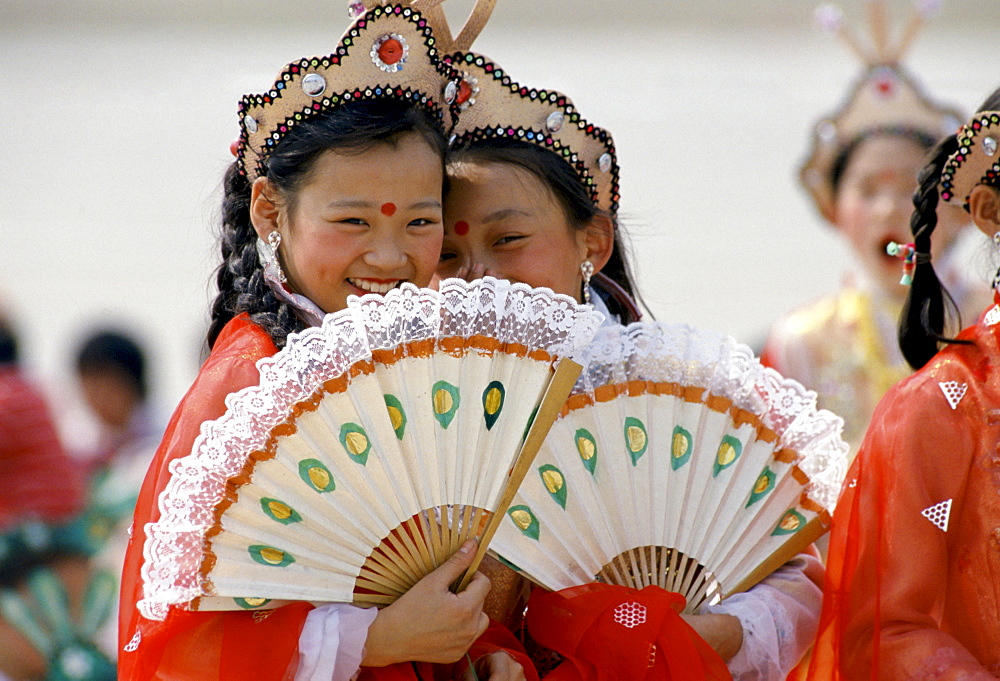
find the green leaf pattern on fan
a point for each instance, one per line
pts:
(586, 445)
(554, 482)
(317, 475)
(729, 451)
(493, 398)
(268, 555)
(525, 520)
(251, 603)
(397, 415)
(681, 446)
(790, 523)
(355, 441)
(279, 511)
(446, 401)
(765, 483)
(636, 439)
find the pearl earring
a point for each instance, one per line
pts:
(274, 240)
(587, 270)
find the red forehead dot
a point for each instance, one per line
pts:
(461, 228)
(388, 209)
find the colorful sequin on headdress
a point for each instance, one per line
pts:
(388, 52)
(977, 160)
(500, 108)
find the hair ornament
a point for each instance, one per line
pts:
(885, 99)
(388, 51)
(910, 257)
(977, 160)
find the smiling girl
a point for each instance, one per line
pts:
(533, 197)
(336, 191)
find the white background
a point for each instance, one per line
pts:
(116, 120)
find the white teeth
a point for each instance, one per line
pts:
(374, 287)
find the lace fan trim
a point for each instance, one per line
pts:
(511, 313)
(680, 354)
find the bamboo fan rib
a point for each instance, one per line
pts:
(372, 448)
(679, 461)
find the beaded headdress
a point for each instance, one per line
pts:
(977, 160)
(388, 51)
(494, 106)
(886, 99)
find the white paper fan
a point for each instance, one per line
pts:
(371, 449)
(678, 461)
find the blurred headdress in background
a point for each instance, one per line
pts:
(886, 99)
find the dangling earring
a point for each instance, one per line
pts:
(274, 240)
(587, 270)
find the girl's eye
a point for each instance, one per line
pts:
(353, 221)
(420, 222)
(447, 256)
(508, 239)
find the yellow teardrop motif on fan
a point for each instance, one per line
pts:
(319, 477)
(586, 446)
(729, 450)
(397, 417)
(554, 482)
(635, 438)
(355, 441)
(445, 398)
(680, 447)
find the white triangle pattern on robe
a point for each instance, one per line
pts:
(993, 316)
(939, 514)
(953, 392)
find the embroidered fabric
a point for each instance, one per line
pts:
(678, 353)
(511, 313)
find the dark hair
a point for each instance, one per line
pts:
(921, 139)
(616, 286)
(8, 343)
(110, 351)
(929, 307)
(356, 126)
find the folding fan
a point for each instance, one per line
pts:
(678, 461)
(372, 448)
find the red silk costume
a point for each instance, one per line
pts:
(232, 645)
(913, 577)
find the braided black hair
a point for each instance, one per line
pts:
(929, 307)
(355, 126)
(578, 205)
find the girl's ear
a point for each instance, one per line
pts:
(599, 239)
(263, 209)
(984, 207)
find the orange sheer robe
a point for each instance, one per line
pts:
(913, 579)
(231, 645)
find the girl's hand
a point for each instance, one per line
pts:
(429, 623)
(498, 666)
(723, 632)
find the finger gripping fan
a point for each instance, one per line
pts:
(678, 461)
(372, 447)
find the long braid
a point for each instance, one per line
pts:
(240, 278)
(922, 325)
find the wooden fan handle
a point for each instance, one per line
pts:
(566, 373)
(803, 538)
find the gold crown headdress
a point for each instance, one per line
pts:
(977, 160)
(885, 99)
(388, 51)
(492, 105)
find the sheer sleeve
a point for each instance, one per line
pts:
(906, 539)
(202, 645)
(779, 617)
